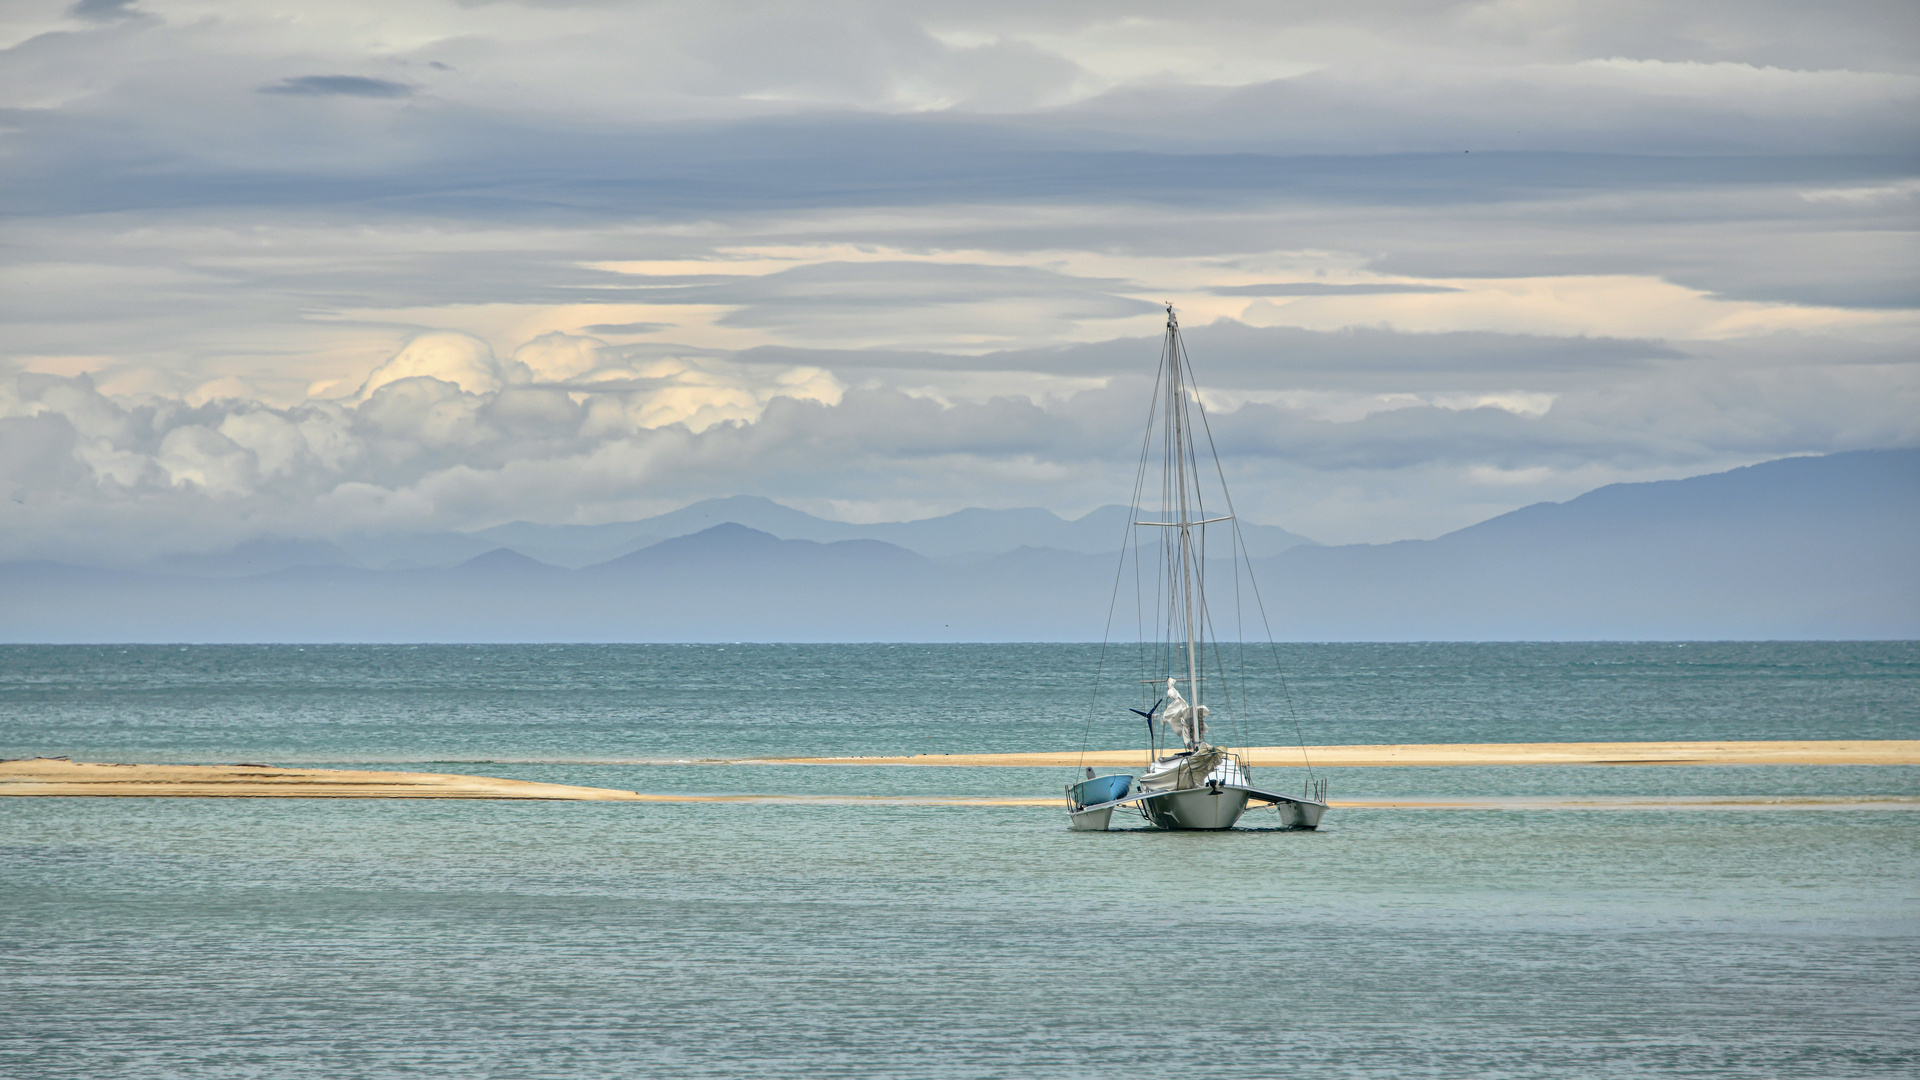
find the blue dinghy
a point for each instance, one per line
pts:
(1099, 789)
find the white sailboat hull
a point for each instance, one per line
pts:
(1214, 807)
(1300, 815)
(1090, 820)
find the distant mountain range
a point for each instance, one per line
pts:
(1814, 547)
(1824, 547)
(962, 535)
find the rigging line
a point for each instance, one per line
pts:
(1144, 647)
(1192, 565)
(1100, 669)
(1279, 671)
(1285, 690)
(1113, 601)
(1237, 720)
(1190, 392)
(1234, 726)
(1169, 586)
(1236, 546)
(1239, 625)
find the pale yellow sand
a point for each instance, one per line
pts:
(1801, 752)
(53, 776)
(57, 776)
(49, 776)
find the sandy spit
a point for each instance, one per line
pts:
(58, 776)
(1799, 752)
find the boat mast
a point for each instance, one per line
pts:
(1178, 414)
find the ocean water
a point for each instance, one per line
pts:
(295, 938)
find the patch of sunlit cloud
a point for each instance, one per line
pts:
(697, 326)
(1132, 49)
(1597, 305)
(1518, 402)
(1200, 287)
(1346, 407)
(1864, 196)
(65, 365)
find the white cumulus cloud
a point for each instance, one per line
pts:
(460, 359)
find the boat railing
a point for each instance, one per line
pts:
(1313, 789)
(1229, 769)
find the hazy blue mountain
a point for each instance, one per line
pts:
(734, 549)
(399, 551)
(985, 532)
(412, 551)
(1800, 548)
(257, 556)
(965, 533)
(1797, 548)
(586, 545)
(569, 545)
(505, 562)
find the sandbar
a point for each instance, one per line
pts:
(58, 776)
(1795, 752)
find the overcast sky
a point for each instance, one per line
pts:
(305, 269)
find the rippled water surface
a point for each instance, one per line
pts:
(295, 938)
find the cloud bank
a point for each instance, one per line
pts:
(416, 265)
(445, 435)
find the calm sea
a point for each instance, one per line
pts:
(296, 938)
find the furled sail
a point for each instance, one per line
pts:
(1187, 721)
(1188, 770)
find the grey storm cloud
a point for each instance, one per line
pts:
(1402, 438)
(624, 328)
(1241, 357)
(835, 293)
(101, 11)
(340, 86)
(1582, 110)
(1315, 288)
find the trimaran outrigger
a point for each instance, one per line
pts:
(1200, 786)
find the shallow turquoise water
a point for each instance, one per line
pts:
(292, 938)
(582, 702)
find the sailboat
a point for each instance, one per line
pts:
(1198, 785)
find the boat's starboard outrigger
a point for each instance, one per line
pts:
(1200, 786)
